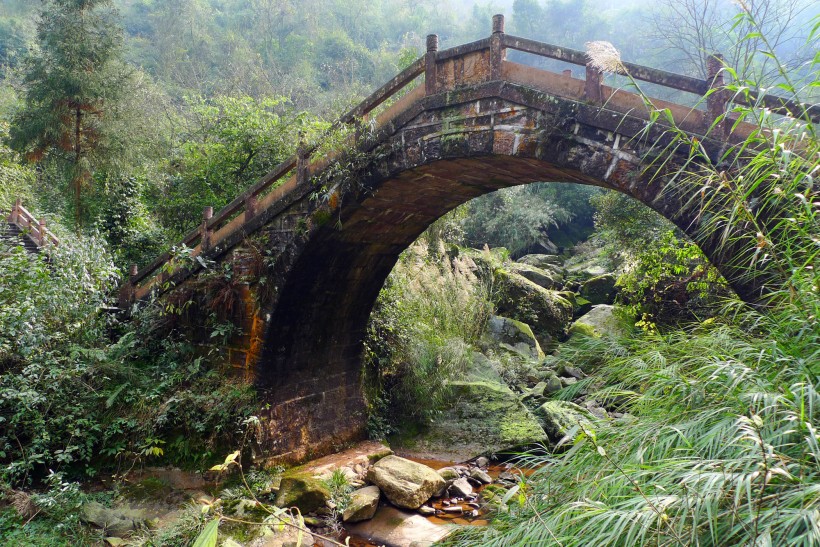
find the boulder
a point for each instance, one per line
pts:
(515, 334)
(559, 417)
(545, 311)
(448, 474)
(553, 384)
(542, 278)
(600, 289)
(461, 488)
(541, 260)
(363, 504)
(303, 491)
(119, 521)
(405, 483)
(481, 476)
(481, 418)
(599, 321)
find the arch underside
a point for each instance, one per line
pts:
(441, 154)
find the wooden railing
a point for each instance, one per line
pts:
(216, 227)
(35, 229)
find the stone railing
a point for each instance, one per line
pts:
(35, 229)
(439, 69)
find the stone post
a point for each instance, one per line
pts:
(250, 207)
(716, 100)
(430, 70)
(302, 161)
(592, 87)
(41, 235)
(498, 53)
(15, 211)
(126, 296)
(205, 234)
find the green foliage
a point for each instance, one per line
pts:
(72, 83)
(429, 312)
(670, 281)
(724, 451)
(514, 218)
(229, 144)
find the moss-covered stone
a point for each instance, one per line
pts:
(545, 311)
(599, 321)
(599, 290)
(517, 335)
(540, 277)
(301, 490)
(483, 418)
(559, 417)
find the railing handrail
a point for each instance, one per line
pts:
(422, 66)
(23, 219)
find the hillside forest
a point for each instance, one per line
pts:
(562, 348)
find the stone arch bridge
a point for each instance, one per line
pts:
(325, 229)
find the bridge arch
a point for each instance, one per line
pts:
(478, 123)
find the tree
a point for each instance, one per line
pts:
(73, 80)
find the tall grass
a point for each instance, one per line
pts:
(431, 310)
(726, 449)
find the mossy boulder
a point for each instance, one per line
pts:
(542, 278)
(559, 417)
(599, 321)
(301, 490)
(482, 418)
(119, 521)
(404, 482)
(542, 260)
(515, 334)
(545, 311)
(600, 289)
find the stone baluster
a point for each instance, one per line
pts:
(251, 204)
(41, 232)
(498, 53)
(430, 68)
(592, 87)
(716, 100)
(205, 233)
(15, 211)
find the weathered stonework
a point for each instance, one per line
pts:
(328, 258)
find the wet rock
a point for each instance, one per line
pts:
(427, 511)
(515, 334)
(547, 313)
(120, 521)
(301, 490)
(599, 290)
(363, 504)
(448, 473)
(482, 461)
(405, 483)
(559, 417)
(462, 488)
(481, 476)
(392, 526)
